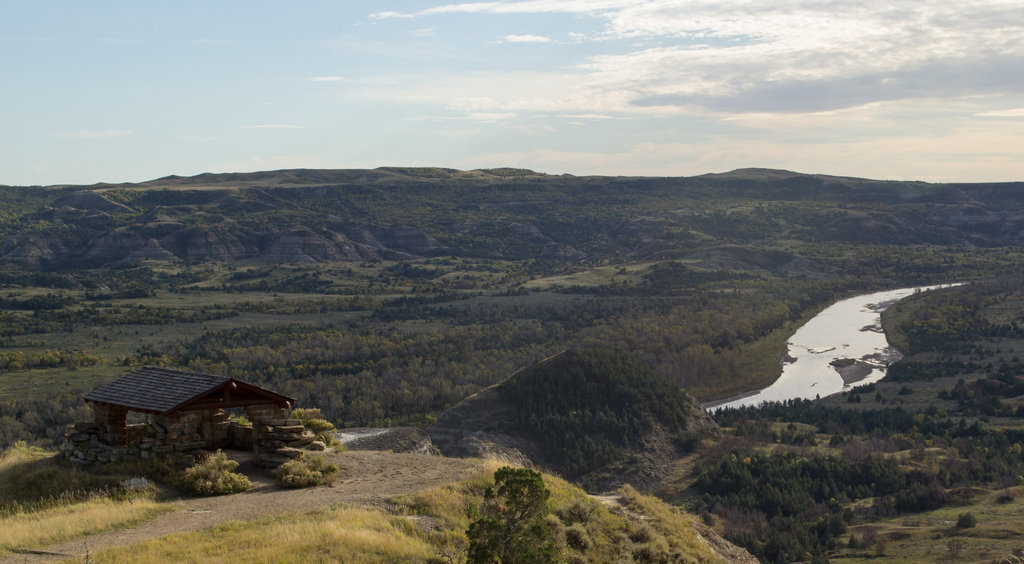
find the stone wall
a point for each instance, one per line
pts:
(181, 438)
(277, 438)
(113, 421)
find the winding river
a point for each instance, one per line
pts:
(840, 347)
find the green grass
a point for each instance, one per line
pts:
(22, 384)
(596, 276)
(31, 477)
(925, 537)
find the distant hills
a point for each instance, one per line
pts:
(311, 216)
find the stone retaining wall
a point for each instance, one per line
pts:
(182, 437)
(277, 438)
(179, 437)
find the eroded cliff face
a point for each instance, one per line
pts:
(88, 229)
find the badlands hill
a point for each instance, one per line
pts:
(599, 418)
(311, 216)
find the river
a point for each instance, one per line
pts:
(840, 347)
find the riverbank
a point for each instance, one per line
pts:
(842, 345)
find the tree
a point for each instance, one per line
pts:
(511, 529)
(955, 546)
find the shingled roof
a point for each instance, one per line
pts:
(154, 389)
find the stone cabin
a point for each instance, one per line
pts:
(184, 417)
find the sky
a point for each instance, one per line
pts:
(127, 91)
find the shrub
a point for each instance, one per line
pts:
(214, 476)
(577, 512)
(310, 470)
(312, 419)
(966, 520)
(577, 537)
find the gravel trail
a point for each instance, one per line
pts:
(366, 478)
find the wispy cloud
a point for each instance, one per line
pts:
(522, 7)
(526, 39)
(491, 116)
(94, 134)
(327, 79)
(273, 126)
(389, 14)
(1014, 113)
(585, 116)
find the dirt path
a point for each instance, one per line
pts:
(367, 478)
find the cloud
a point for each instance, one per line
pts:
(533, 7)
(389, 15)
(953, 156)
(326, 79)
(1014, 113)
(273, 126)
(94, 134)
(491, 116)
(526, 39)
(585, 116)
(787, 56)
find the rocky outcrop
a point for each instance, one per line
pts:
(90, 200)
(395, 439)
(152, 250)
(304, 246)
(295, 245)
(472, 429)
(408, 239)
(35, 249)
(202, 243)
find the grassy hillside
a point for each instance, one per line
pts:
(426, 526)
(430, 526)
(588, 408)
(601, 418)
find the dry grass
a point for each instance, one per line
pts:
(335, 535)
(42, 502)
(25, 530)
(431, 524)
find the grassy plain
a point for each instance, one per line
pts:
(930, 536)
